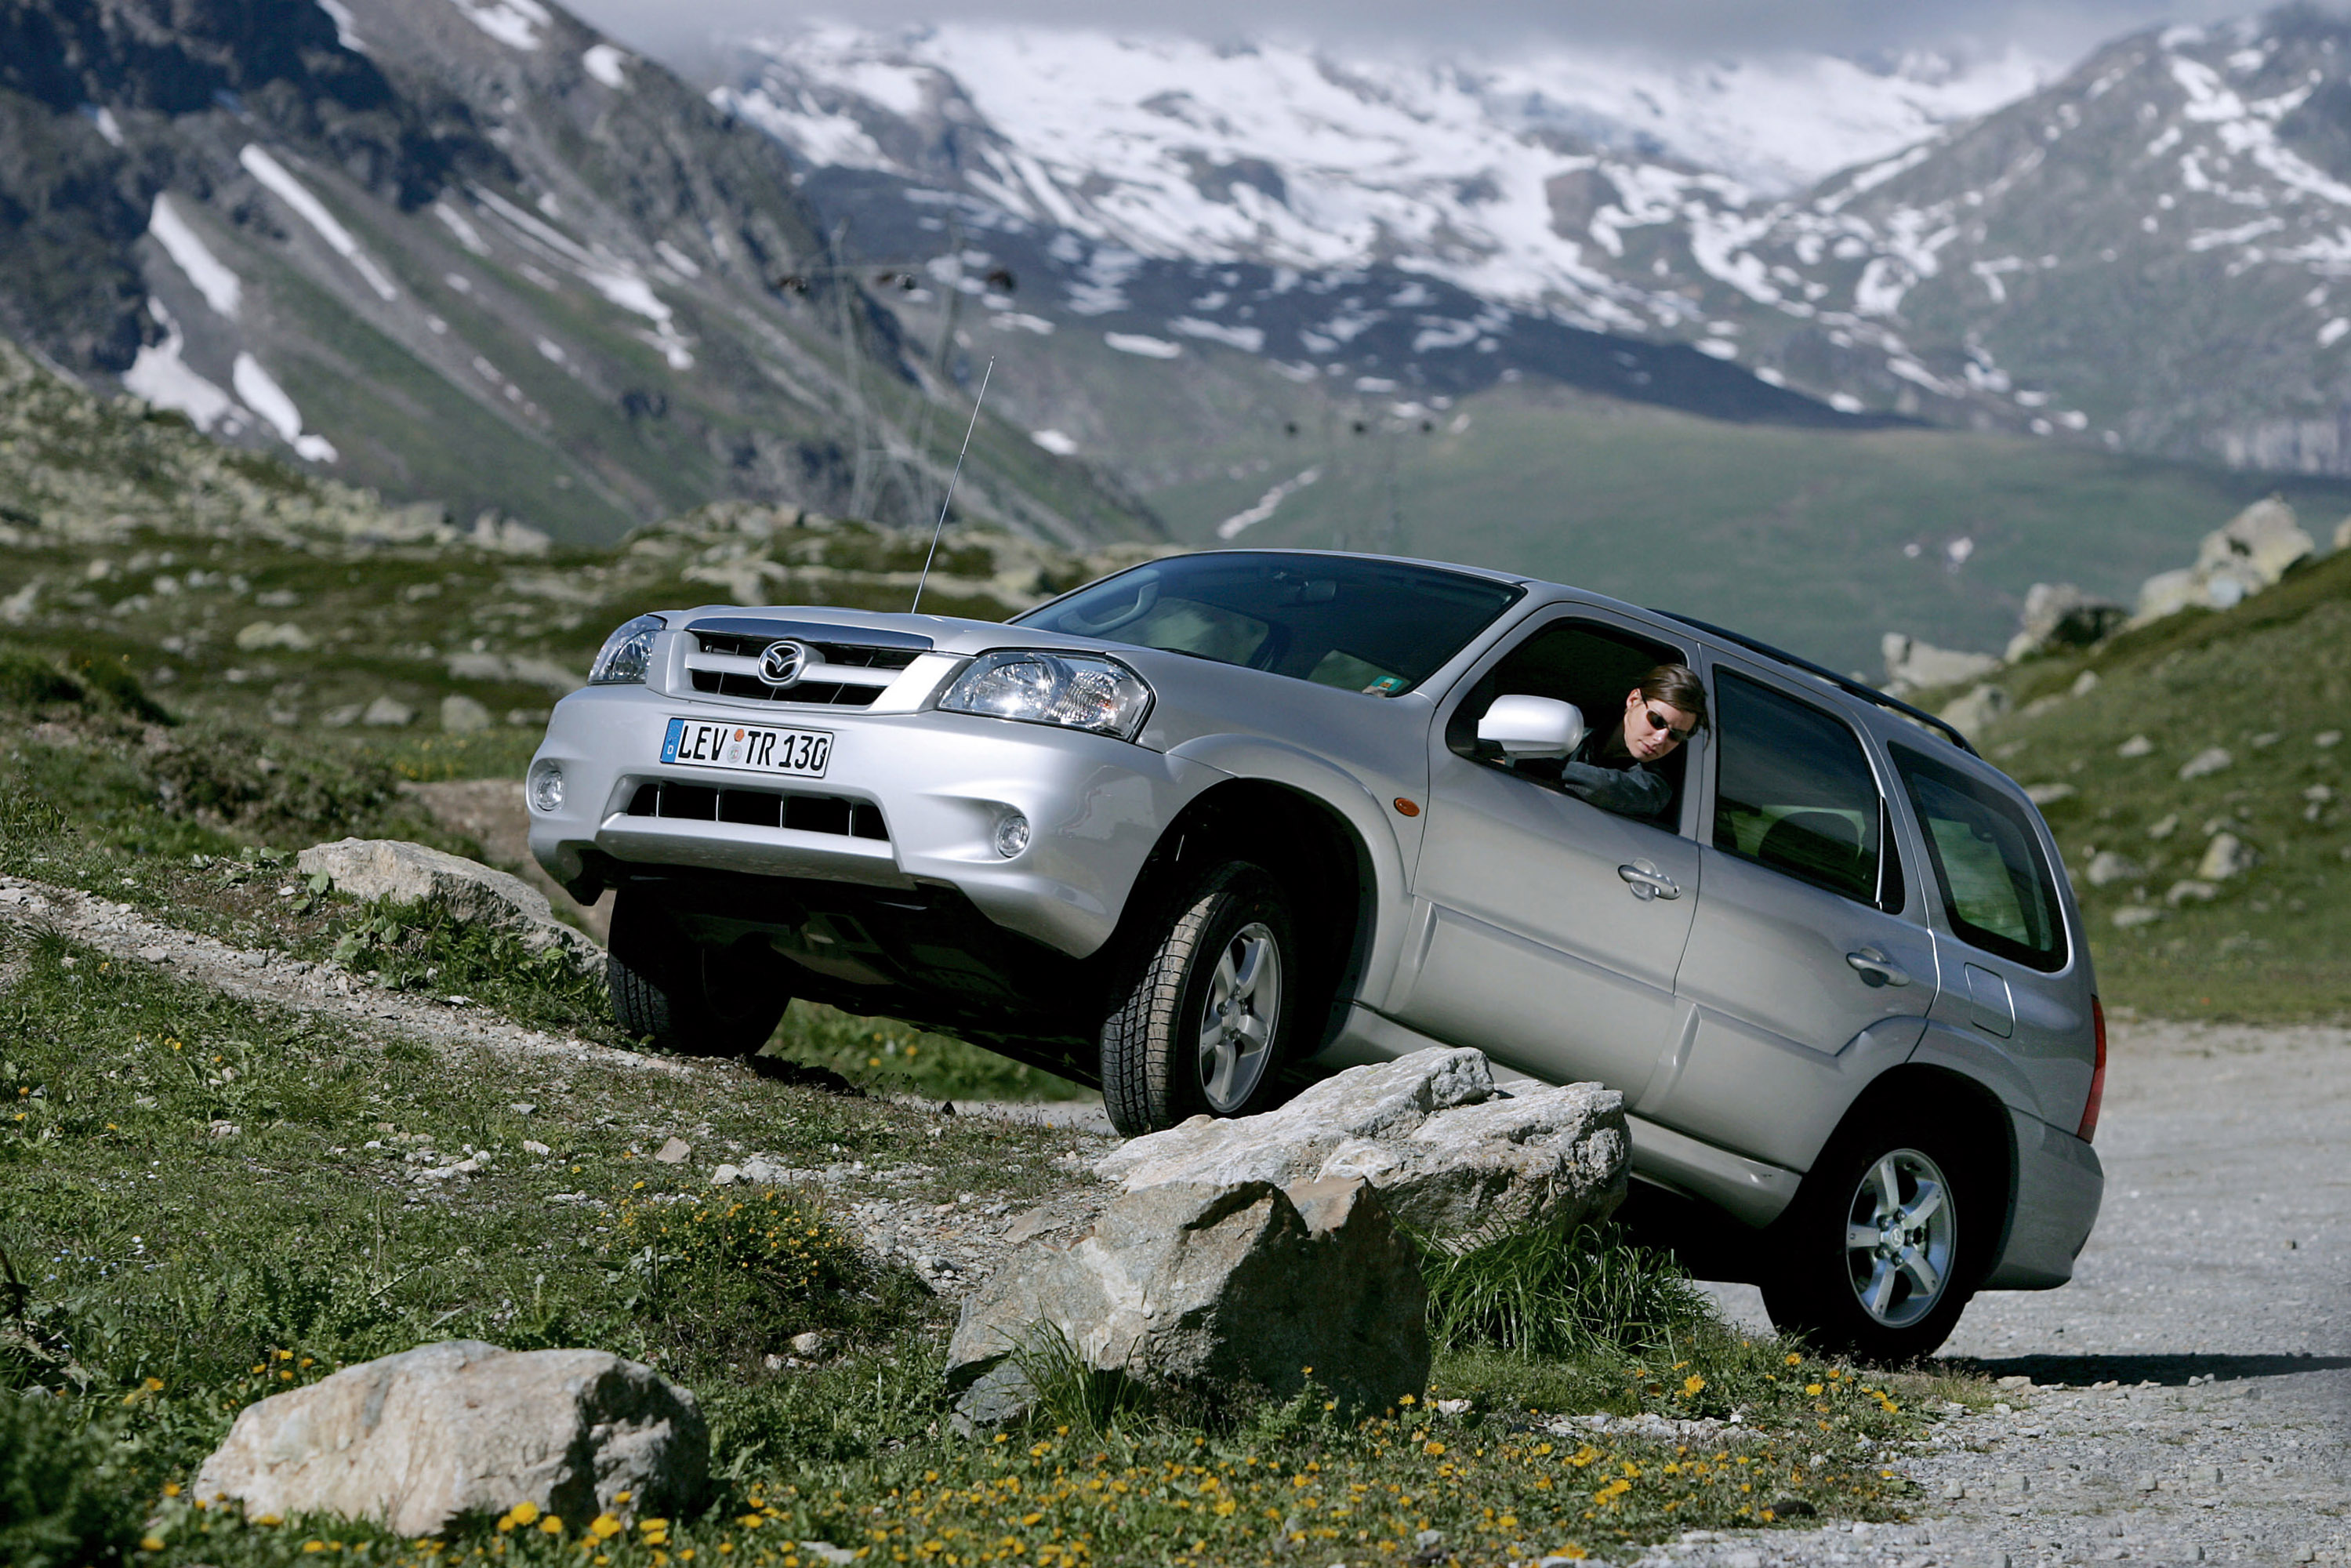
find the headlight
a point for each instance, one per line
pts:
(1081, 690)
(622, 661)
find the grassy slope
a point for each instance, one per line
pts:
(2262, 680)
(1794, 536)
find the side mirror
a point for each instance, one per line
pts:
(1527, 728)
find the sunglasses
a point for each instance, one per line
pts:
(1655, 722)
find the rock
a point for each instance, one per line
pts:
(533, 1146)
(460, 714)
(1450, 1155)
(2226, 856)
(2326, 737)
(418, 1441)
(2107, 867)
(2210, 760)
(2060, 615)
(342, 716)
(2048, 794)
(810, 1344)
(826, 1552)
(1977, 710)
(2246, 555)
(2137, 746)
(1244, 1282)
(2163, 827)
(727, 1175)
(388, 713)
(2084, 684)
(674, 1152)
(396, 869)
(1912, 665)
(2183, 891)
(257, 635)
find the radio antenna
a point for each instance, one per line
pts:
(946, 501)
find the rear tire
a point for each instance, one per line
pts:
(1880, 1252)
(688, 997)
(1207, 1011)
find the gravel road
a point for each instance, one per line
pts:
(2191, 1388)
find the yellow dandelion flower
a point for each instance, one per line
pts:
(1692, 1384)
(551, 1525)
(150, 1543)
(603, 1527)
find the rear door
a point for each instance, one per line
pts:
(1549, 929)
(1805, 971)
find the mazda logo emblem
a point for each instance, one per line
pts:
(782, 664)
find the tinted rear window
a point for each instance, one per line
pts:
(1794, 791)
(1374, 626)
(1997, 890)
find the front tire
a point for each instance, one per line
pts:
(689, 997)
(1208, 1011)
(1877, 1257)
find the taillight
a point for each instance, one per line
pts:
(2089, 1128)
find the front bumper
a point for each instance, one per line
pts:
(940, 782)
(2059, 1185)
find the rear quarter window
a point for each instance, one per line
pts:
(1998, 891)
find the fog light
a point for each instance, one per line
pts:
(546, 787)
(1012, 835)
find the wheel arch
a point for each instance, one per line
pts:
(1976, 1116)
(1298, 835)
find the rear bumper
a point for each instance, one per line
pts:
(937, 785)
(2059, 1185)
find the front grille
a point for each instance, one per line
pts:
(760, 809)
(884, 661)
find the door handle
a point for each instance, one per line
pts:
(1876, 969)
(1647, 885)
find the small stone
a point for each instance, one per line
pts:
(388, 713)
(2107, 867)
(673, 1153)
(1954, 1490)
(2179, 892)
(2137, 746)
(1742, 1559)
(2204, 1475)
(523, 1108)
(2210, 760)
(726, 1176)
(155, 955)
(2015, 1482)
(2326, 737)
(460, 714)
(225, 1129)
(533, 1146)
(2226, 856)
(2137, 915)
(2085, 682)
(2164, 827)
(2016, 1380)
(825, 1551)
(773, 1363)
(810, 1344)
(2145, 1481)
(2048, 794)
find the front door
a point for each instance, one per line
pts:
(1804, 968)
(1551, 929)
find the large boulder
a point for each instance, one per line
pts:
(1452, 1154)
(2249, 553)
(2060, 615)
(1912, 665)
(406, 873)
(419, 1440)
(1208, 1286)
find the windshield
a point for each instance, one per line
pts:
(1365, 625)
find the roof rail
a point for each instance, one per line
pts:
(1842, 683)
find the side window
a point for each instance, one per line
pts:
(1793, 792)
(1580, 662)
(1997, 888)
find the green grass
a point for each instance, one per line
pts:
(1797, 536)
(2262, 680)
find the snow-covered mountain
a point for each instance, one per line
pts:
(1178, 149)
(2142, 252)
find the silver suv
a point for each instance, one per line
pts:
(1209, 826)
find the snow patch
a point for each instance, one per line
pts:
(262, 394)
(346, 32)
(1010, 320)
(604, 62)
(2332, 333)
(1136, 343)
(457, 224)
(1232, 527)
(1054, 442)
(222, 290)
(1248, 339)
(164, 379)
(312, 211)
(514, 23)
(103, 119)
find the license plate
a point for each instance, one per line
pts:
(760, 748)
